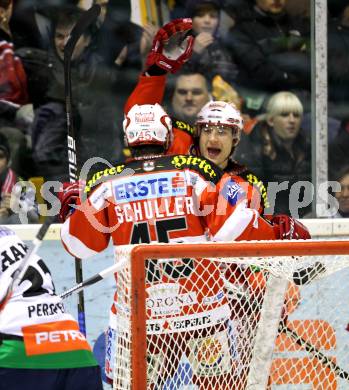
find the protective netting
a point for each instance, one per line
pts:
(239, 323)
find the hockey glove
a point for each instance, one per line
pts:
(172, 46)
(290, 228)
(69, 196)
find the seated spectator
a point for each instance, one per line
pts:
(17, 202)
(270, 48)
(191, 92)
(277, 151)
(342, 196)
(209, 52)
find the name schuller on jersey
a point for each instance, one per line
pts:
(162, 194)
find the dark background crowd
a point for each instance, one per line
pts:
(254, 53)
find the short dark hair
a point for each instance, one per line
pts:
(193, 7)
(189, 71)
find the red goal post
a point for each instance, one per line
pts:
(289, 256)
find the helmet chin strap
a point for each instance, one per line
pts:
(232, 153)
(148, 156)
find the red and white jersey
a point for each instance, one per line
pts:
(169, 199)
(150, 90)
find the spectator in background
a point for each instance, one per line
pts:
(338, 150)
(123, 46)
(209, 52)
(277, 151)
(271, 49)
(114, 32)
(94, 93)
(14, 196)
(31, 23)
(338, 63)
(343, 195)
(15, 113)
(191, 92)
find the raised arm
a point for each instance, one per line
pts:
(172, 47)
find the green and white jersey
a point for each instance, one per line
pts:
(35, 330)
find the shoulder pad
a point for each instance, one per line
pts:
(206, 168)
(235, 168)
(251, 178)
(183, 126)
(100, 175)
(104, 173)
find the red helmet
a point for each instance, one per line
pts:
(220, 113)
(147, 124)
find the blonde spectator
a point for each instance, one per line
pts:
(278, 152)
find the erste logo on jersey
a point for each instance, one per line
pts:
(152, 186)
(232, 192)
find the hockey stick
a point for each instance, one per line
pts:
(93, 279)
(327, 362)
(283, 328)
(17, 276)
(86, 20)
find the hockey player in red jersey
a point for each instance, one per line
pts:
(163, 200)
(186, 138)
(215, 136)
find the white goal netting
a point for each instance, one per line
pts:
(256, 316)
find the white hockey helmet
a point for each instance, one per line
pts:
(220, 113)
(147, 124)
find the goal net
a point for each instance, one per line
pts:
(221, 316)
(242, 315)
